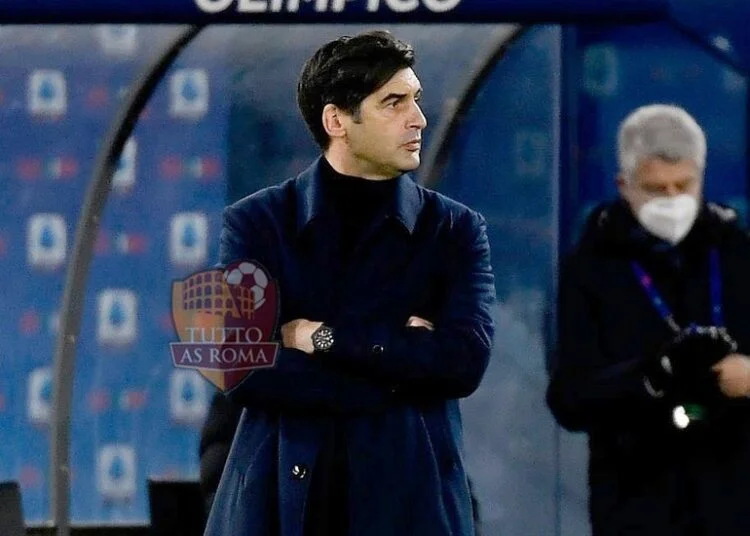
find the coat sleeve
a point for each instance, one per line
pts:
(296, 382)
(448, 362)
(586, 390)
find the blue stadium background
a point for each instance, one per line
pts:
(534, 154)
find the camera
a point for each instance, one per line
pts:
(681, 372)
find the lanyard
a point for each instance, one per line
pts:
(717, 313)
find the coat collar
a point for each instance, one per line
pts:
(311, 202)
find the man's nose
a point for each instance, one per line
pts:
(417, 120)
(672, 190)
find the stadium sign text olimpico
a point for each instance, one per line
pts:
(326, 11)
(322, 6)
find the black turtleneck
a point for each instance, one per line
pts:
(357, 202)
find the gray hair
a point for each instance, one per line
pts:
(662, 131)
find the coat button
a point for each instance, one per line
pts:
(299, 471)
(377, 349)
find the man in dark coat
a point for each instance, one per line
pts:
(216, 439)
(386, 297)
(648, 266)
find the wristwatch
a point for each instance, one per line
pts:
(322, 338)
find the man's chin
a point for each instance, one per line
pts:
(410, 164)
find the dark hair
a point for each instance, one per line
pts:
(345, 71)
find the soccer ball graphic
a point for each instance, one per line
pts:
(247, 275)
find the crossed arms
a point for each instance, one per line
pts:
(443, 357)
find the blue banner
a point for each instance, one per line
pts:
(313, 11)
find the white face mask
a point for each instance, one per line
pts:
(669, 218)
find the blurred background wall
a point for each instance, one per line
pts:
(534, 152)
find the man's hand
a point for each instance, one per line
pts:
(734, 375)
(298, 334)
(416, 322)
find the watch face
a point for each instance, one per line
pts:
(323, 338)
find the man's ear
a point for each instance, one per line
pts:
(622, 184)
(334, 121)
(625, 189)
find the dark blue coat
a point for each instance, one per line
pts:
(394, 388)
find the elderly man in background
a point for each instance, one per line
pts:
(653, 334)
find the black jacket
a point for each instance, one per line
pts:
(646, 477)
(216, 439)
